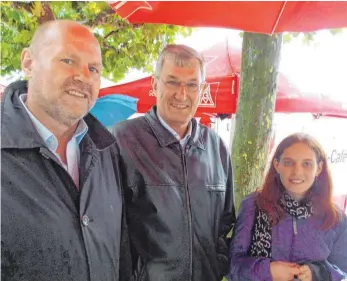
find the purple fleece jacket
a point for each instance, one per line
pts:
(310, 244)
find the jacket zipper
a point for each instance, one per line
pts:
(295, 232)
(295, 226)
(183, 153)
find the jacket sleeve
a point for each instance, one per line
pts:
(242, 266)
(227, 223)
(337, 260)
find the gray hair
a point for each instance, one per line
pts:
(181, 54)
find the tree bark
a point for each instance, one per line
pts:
(255, 110)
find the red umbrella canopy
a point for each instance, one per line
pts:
(223, 67)
(253, 16)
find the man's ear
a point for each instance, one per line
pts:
(26, 62)
(154, 83)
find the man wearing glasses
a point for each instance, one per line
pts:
(177, 179)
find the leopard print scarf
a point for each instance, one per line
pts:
(262, 229)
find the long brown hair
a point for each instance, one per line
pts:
(320, 192)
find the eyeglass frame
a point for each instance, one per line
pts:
(178, 84)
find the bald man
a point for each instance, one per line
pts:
(62, 213)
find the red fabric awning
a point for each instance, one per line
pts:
(222, 71)
(253, 16)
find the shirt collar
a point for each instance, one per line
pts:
(177, 136)
(48, 137)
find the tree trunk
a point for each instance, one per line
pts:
(255, 110)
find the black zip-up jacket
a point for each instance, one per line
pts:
(179, 201)
(49, 230)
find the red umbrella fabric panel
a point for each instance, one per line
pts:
(254, 16)
(223, 67)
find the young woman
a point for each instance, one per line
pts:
(291, 229)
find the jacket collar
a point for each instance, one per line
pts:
(166, 138)
(17, 131)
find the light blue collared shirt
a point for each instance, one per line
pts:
(183, 141)
(72, 150)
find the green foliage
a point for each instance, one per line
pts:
(308, 37)
(337, 31)
(124, 46)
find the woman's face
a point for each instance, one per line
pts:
(298, 167)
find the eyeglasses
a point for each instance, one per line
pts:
(173, 85)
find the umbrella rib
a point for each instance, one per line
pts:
(146, 6)
(278, 18)
(120, 4)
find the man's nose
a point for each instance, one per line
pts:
(83, 74)
(181, 92)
